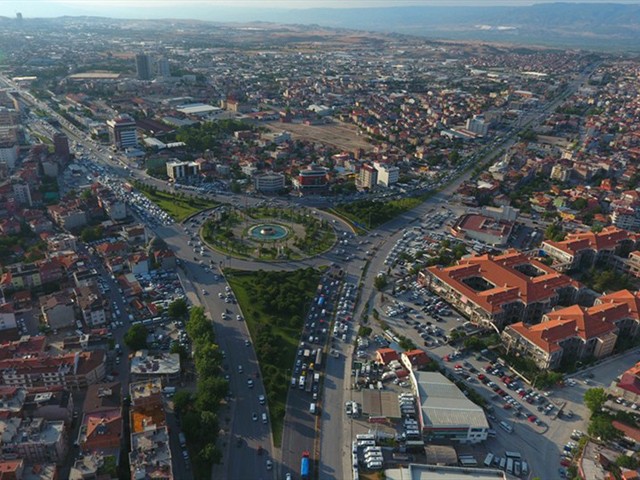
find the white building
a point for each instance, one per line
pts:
(478, 125)
(177, 170)
(22, 193)
(387, 174)
(445, 413)
(269, 182)
(7, 316)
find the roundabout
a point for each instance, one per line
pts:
(268, 233)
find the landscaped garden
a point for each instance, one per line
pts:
(274, 306)
(268, 233)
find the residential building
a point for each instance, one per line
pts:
(444, 412)
(164, 69)
(54, 404)
(71, 370)
(91, 306)
(122, 132)
(58, 310)
(628, 387)
(414, 359)
(34, 440)
(61, 146)
(22, 275)
(631, 265)
(7, 316)
(165, 366)
(571, 333)
(101, 397)
(143, 66)
(22, 193)
(387, 174)
(69, 217)
(501, 289)
(583, 250)
(150, 455)
(146, 393)
(478, 125)
(269, 182)
(386, 355)
(139, 263)
(367, 177)
(101, 431)
(177, 170)
(12, 469)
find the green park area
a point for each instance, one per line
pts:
(274, 304)
(368, 214)
(178, 205)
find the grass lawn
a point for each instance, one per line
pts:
(274, 306)
(373, 213)
(179, 208)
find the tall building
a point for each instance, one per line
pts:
(367, 177)
(478, 125)
(163, 68)
(313, 179)
(61, 146)
(387, 174)
(122, 132)
(143, 66)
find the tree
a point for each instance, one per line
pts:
(601, 427)
(380, 282)
(594, 398)
(178, 308)
(625, 461)
(136, 337)
(182, 400)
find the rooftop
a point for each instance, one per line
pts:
(433, 472)
(444, 405)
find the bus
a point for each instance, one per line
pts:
(514, 455)
(318, 362)
(488, 460)
(510, 466)
(304, 466)
(467, 461)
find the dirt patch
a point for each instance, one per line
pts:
(338, 134)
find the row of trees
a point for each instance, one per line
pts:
(207, 135)
(199, 411)
(372, 213)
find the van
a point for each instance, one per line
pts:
(312, 409)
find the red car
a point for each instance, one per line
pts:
(565, 462)
(481, 376)
(532, 418)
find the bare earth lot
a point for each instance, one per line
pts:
(338, 134)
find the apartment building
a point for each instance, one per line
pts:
(585, 249)
(34, 440)
(502, 289)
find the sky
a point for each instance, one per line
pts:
(189, 8)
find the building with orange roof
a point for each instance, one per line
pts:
(101, 431)
(628, 387)
(11, 469)
(585, 249)
(415, 359)
(577, 332)
(386, 355)
(501, 289)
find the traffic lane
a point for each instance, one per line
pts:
(299, 431)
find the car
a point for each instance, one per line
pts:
(262, 399)
(269, 464)
(240, 369)
(250, 383)
(254, 416)
(238, 317)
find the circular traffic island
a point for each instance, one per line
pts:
(268, 234)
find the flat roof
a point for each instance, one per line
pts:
(433, 472)
(444, 405)
(197, 108)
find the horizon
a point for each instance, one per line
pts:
(212, 9)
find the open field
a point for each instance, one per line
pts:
(338, 134)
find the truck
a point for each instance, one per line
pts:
(307, 353)
(309, 384)
(304, 466)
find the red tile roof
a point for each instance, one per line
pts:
(510, 285)
(630, 432)
(386, 355)
(607, 239)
